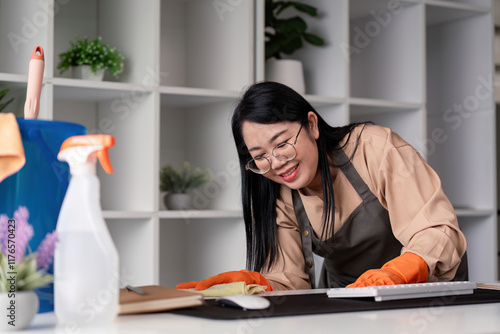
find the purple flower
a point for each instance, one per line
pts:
(4, 221)
(18, 230)
(45, 252)
(21, 214)
(23, 232)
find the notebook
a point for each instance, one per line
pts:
(156, 299)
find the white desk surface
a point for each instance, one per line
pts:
(479, 318)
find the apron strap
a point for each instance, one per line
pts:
(306, 234)
(352, 174)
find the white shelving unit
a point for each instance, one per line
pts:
(406, 65)
(187, 62)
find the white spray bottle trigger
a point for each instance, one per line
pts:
(80, 153)
(81, 159)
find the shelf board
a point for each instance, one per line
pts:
(172, 214)
(191, 97)
(457, 5)
(439, 12)
(318, 101)
(114, 214)
(87, 90)
(202, 214)
(362, 106)
(359, 9)
(18, 80)
(468, 212)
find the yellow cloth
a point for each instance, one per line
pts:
(235, 288)
(11, 146)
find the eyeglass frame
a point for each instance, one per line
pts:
(267, 157)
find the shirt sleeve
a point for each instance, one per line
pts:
(422, 217)
(288, 272)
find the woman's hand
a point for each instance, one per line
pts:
(406, 268)
(250, 277)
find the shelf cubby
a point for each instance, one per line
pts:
(211, 246)
(482, 262)
(132, 122)
(325, 67)
(24, 25)
(461, 159)
(203, 46)
(111, 21)
(460, 103)
(202, 135)
(138, 258)
(459, 64)
(386, 50)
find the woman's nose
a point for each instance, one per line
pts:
(275, 162)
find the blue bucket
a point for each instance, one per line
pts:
(41, 184)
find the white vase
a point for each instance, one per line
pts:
(84, 72)
(18, 309)
(286, 71)
(178, 201)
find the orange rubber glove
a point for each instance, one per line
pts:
(406, 268)
(250, 277)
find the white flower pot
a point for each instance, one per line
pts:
(84, 72)
(18, 309)
(286, 71)
(178, 201)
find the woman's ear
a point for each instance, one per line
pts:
(313, 124)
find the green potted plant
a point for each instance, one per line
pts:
(86, 57)
(284, 36)
(22, 271)
(179, 182)
(2, 95)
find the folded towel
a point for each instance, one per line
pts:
(235, 288)
(12, 156)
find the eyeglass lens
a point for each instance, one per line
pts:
(283, 152)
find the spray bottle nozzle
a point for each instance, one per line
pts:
(83, 149)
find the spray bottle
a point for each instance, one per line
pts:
(86, 275)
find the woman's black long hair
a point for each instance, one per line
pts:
(269, 103)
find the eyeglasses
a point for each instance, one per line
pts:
(283, 152)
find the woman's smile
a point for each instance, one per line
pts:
(290, 174)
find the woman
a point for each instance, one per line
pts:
(358, 195)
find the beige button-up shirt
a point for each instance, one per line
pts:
(421, 216)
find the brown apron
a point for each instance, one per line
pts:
(365, 241)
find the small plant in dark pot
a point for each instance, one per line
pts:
(179, 182)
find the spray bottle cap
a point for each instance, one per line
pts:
(81, 152)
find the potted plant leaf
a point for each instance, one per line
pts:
(284, 36)
(89, 59)
(4, 105)
(179, 182)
